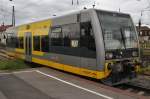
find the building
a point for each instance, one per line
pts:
(144, 33)
(4, 27)
(2, 33)
(144, 39)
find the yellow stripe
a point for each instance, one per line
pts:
(19, 50)
(18, 55)
(39, 53)
(68, 68)
(72, 69)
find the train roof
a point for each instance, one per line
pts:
(70, 13)
(88, 10)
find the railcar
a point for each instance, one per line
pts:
(94, 43)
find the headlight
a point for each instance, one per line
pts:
(109, 55)
(134, 53)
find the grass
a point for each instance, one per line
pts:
(12, 65)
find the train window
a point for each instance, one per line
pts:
(45, 43)
(66, 35)
(87, 41)
(7, 41)
(13, 42)
(71, 35)
(21, 42)
(56, 36)
(36, 43)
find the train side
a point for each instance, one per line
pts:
(32, 44)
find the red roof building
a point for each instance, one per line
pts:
(144, 31)
(4, 27)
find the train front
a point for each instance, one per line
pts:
(121, 46)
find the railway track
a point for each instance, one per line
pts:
(147, 73)
(139, 86)
(3, 55)
(135, 89)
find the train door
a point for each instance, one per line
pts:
(87, 43)
(28, 46)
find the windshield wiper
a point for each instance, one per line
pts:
(123, 38)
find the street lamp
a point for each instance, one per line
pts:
(140, 19)
(13, 14)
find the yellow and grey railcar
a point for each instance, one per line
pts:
(93, 43)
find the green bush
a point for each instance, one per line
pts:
(12, 65)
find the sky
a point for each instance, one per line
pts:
(33, 10)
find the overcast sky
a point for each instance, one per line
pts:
(33, 10)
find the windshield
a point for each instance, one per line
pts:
(118, 31)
